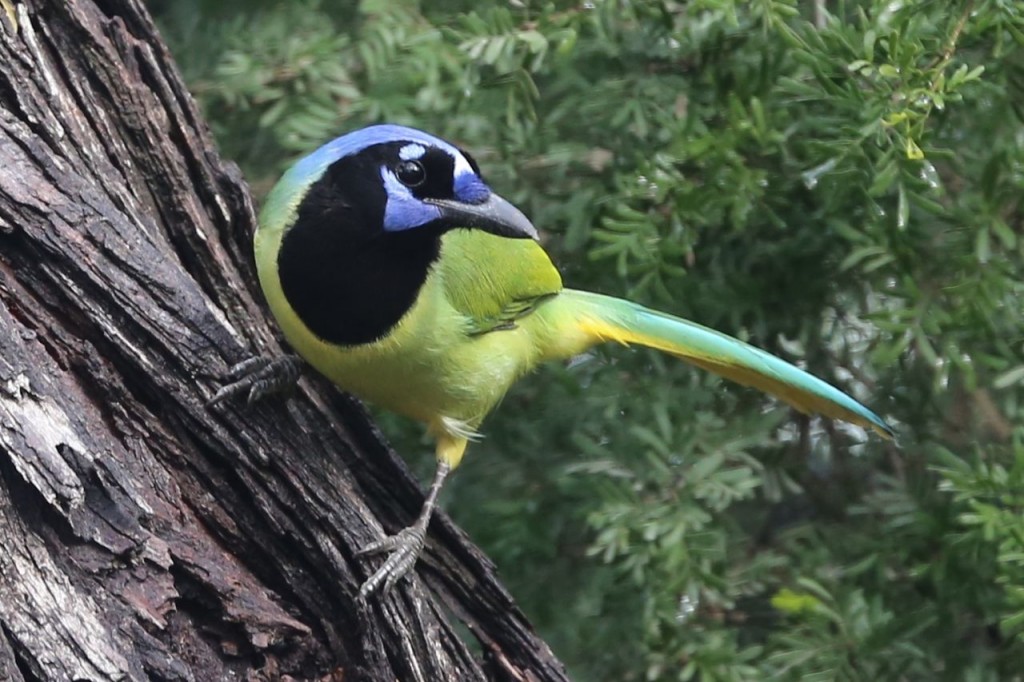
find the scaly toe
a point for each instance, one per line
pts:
(258, 377)
(386, 544)
(404, 548)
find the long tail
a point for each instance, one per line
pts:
(603, 318)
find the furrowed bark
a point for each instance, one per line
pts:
(144, 535)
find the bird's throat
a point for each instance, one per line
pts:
(350, 288)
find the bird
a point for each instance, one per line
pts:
(393, 268)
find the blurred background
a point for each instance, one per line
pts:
(836, 181)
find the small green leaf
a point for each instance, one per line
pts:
(1010, 378)
(902, 208)
(794, 603)
(913, 151)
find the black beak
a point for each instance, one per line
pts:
(495, 215)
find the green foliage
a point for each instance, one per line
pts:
(838, 182)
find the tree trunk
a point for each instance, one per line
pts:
(142, 534)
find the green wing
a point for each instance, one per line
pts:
(495, 281)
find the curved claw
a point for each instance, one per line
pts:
(404, 548)
(259, 376)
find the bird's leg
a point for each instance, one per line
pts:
(406, 545)
(260, 376)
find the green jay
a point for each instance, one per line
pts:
(395, 271)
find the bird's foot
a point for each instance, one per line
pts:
(403, 548)
(259, 376)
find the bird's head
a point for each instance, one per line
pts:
(352, 231)
(392, 179)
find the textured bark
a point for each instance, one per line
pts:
(142, 534)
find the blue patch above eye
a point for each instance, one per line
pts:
(469, 188)
(411, 152)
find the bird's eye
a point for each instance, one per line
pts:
(411, 173)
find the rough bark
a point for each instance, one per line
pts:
(142, 534)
